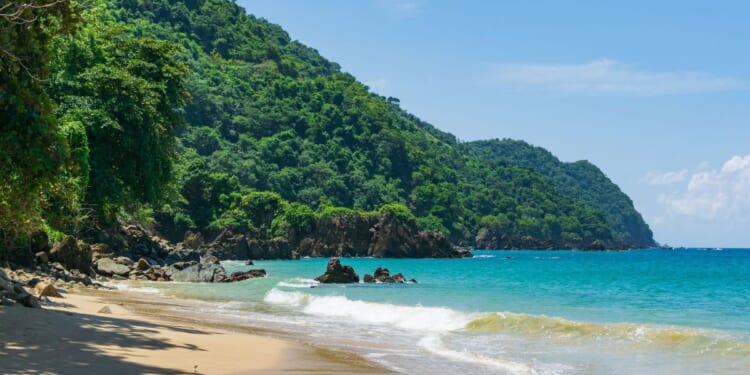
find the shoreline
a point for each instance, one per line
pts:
(72, 336)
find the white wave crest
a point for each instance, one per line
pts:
(429, 319)
(280, 297)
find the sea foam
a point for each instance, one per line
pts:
(434, 344)
(418, 318)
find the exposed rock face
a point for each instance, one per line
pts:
(193, 240)
(493, 240)
(338, 274)
(109, 267)
(244, 275)
(382, 236)
(72, 256)
(382, 275)
(131, 241)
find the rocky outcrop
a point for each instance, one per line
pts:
(72, 255)
(131, 241)
(382, 275)
(193, 240)
(384, 235)
(338, 274)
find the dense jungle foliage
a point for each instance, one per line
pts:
(199, 116)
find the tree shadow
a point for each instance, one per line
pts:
(34, 341)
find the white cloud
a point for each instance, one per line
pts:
(377, 85)
(664, 178)
(610, 77)
(735, 164)
(713, 193)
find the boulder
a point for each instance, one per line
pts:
(142, 265)
(125, 261)
(105, 310)
(338, 274)
(41, 257)
(28, 300)
(244, 275)
(108, 267)
(209, 270)
(182, 255)
(72, 256)
(45, 289)
(39, 241)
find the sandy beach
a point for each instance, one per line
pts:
(73, 336)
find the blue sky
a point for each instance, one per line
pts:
(657, 94)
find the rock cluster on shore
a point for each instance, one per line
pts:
(131, 252)
(29, 288)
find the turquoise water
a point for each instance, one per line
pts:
(545, 312)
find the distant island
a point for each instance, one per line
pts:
(197, 119)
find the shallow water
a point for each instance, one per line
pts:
(517, 312)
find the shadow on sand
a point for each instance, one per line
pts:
(58, 342)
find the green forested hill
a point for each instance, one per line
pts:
(581, 180)
(270, 114)
(269, 137)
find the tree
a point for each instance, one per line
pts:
(32, 150)
(126, 91)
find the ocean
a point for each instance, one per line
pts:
(508, 312)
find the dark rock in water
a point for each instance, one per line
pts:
(108, 267)
(383, 275)
(338, 274)
(244, 275)
(209, 270)
(72, 256)
(249, 263)
(463, 253)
